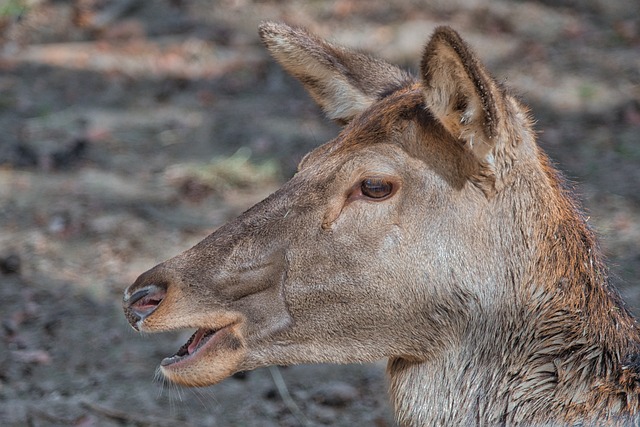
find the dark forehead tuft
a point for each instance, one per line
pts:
(385, 117)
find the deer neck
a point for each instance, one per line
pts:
(557, 345)
(438, 392)
(507, 377)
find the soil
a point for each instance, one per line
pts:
(131, 130)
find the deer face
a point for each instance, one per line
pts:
(359, 256)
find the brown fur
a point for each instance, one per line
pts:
(476, 276)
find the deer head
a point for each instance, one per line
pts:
(387, 243)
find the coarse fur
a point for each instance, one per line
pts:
(433, 232)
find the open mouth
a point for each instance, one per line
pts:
(198, 340)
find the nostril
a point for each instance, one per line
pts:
(144, 301)
(138, 295)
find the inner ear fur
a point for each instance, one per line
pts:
(460, 93)
(342, 81)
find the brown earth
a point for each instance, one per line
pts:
(131, 129)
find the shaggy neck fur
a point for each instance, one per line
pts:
(558, 345)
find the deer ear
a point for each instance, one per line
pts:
(460, 92)
(343, 82)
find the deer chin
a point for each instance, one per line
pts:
(208, 357)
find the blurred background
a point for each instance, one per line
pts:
(131, 129)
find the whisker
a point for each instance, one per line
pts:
(200, 397)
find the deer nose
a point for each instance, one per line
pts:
(141, 303)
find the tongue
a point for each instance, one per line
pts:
(196, 340)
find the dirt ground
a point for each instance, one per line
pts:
(131, 130)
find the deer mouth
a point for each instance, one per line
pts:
(210, 355)
(200, 339)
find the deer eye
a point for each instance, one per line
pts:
(376, 188)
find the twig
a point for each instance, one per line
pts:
(116, 10)
(286, 396)
(54, 419)
(126, 417)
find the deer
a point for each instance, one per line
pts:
(432, 232)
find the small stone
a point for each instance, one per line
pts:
(242, 375)
(10, 264)
(323, 414)
(335, 394)
(271, 394)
